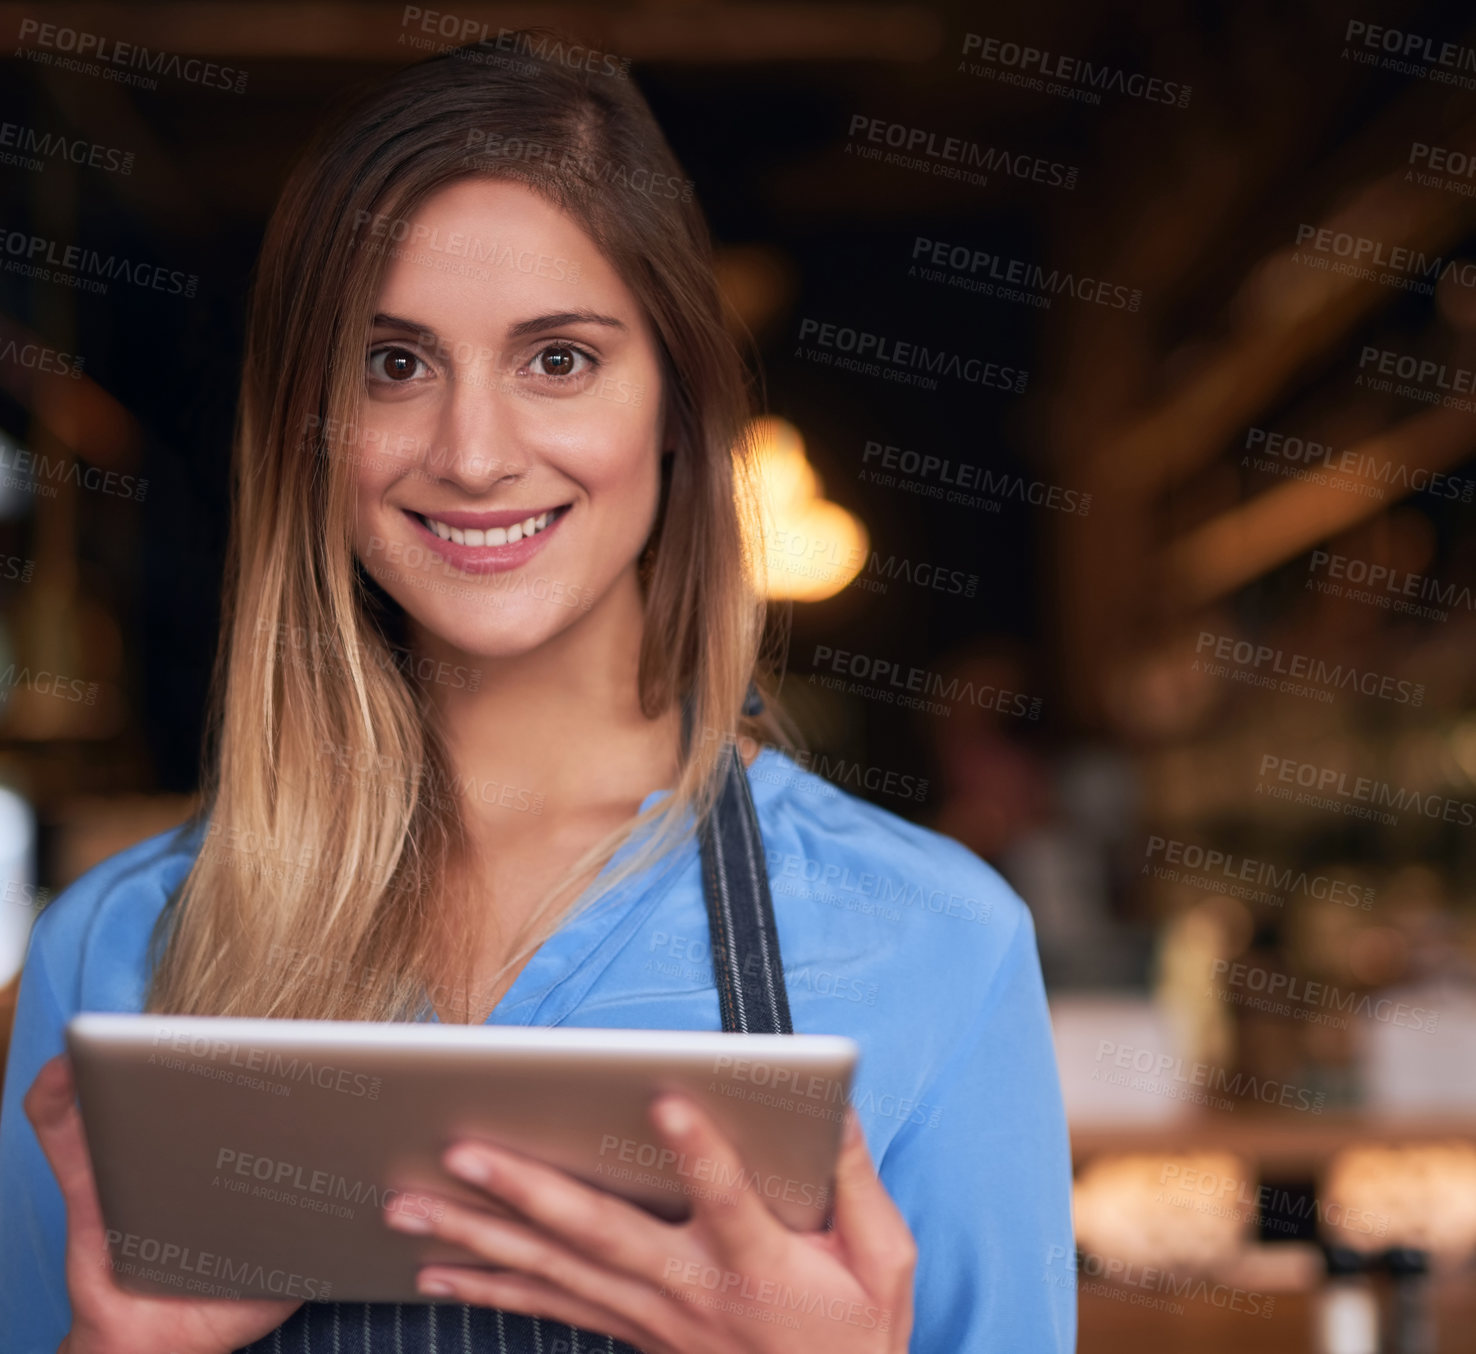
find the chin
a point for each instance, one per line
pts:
(494, 626)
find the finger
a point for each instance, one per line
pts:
(534, 1254)
(870, 1227)
(531, 1296)
(591, 1222)
(51, 1106)
(715, 1178)
(418, 1204)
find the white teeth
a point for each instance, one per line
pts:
(530, 526)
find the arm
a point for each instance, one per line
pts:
(57, 1290)
(34, 1307)
(984, 1180)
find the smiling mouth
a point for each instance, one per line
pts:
(510, 534)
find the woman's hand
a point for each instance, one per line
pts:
(107, 1319)
(732, 1279)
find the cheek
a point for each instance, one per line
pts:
(614, 455)
(379, 529)
(369, 510)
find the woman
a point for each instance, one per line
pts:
(490, 641)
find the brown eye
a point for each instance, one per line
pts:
(399, 365)
(556, 361)
(394, 364)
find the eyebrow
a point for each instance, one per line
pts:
(537, 325)
(558, 319)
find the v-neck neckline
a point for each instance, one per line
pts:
(544, 991)
(565, 952)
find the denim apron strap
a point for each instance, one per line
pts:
(740, 912)
(751, 1000)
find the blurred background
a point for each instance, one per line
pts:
(1121, 365)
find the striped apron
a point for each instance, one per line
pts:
(751, 999)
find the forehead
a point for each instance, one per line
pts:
(492, 247)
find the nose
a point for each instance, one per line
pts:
(476, 442)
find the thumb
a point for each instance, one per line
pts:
(51, 1106)
(877, 1241)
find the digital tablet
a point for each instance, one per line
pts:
(253, 1158)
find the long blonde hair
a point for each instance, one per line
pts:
(327, 831)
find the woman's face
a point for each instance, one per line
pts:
(507, 457)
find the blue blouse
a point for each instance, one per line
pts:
(892, 934)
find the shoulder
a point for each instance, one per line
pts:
(938, 901)
(91, 938)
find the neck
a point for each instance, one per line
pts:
(562, 721)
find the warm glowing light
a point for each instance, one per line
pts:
(808, 548)
(1421, 1195)
(1188, 1211)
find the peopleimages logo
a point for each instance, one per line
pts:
(1241, 660)
(1316, 1003)
(38, 357)
(1166, 1074)
(37, 473)
(907, 363)
(1008, 279)
(119, 60)
(176, 1261)
(951, 156)
(883, 678)
(799, 876)
(435, 782)
(1392, 49)
(385, 231)
(1384, 586)
(1431, 378)
(1225, 872)
(457, 31)
(31, 149)
(1363, 257)
(1015, 63)
(25, 895)
(724, 1177)
(315, 1189)
(1113, 1277)
(213, 1054)
(1355, 471)
(44, 682)
(946, 479)
(730, 1290)
(833, 771)
(1441, 167)
(324, 651)
(1274, 1207)
(72, 265)
(486, 148)
(1341, 793)
(822, 556)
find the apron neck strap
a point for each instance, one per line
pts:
(746, 963)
